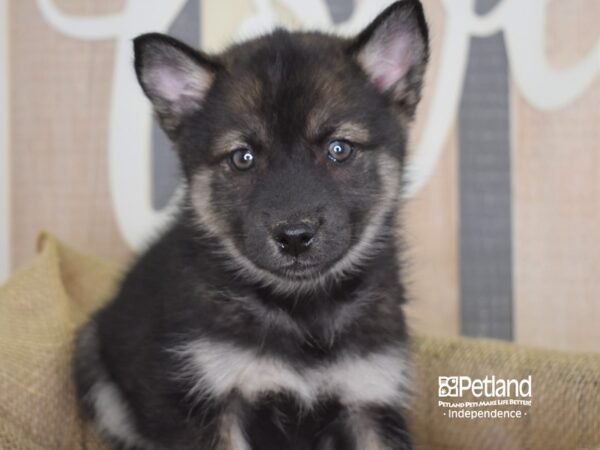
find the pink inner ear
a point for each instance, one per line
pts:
(388, 60)
(171, 84)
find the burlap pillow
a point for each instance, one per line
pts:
(43, 304)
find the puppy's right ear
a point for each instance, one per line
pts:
(393, 51)
(174, 76)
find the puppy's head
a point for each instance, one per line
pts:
(292, 144)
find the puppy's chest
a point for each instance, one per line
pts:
(218, 369)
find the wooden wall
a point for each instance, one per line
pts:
(59, 109)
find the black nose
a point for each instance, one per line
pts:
(294, 238)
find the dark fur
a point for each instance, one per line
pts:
(182, 288)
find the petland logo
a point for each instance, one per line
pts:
(457, 386)
(502, 398)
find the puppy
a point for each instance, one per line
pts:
(268, 316)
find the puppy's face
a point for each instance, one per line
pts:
(292, 144)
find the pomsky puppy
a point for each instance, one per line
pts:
(268, 316)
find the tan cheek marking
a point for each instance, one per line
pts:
(390, 173)
(201, 193)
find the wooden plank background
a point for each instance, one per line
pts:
(59, 116)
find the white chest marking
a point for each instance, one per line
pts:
(217, 368)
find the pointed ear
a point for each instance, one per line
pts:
(393, 50)
(174, 77)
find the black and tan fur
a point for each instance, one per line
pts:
(268, 315)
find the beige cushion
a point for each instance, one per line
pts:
(43, 304)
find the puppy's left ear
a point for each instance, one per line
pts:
(393, 50)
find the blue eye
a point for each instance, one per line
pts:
(242, 158)
(339, 151)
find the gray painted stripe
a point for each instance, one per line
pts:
(483, 7)
(340, 10)
(485, 193)
(165, 166)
